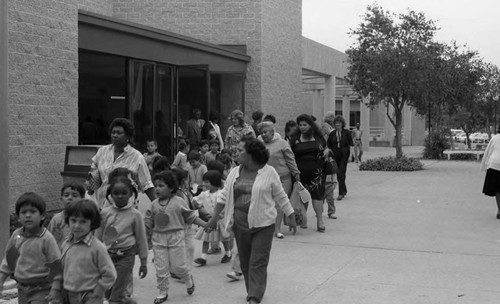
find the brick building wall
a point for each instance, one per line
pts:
(215, 21)
(43, 94)
(282, 60)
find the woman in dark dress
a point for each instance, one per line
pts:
(308, 145)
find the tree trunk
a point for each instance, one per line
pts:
(398, 127)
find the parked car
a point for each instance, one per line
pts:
(460, 137)
(479, 138)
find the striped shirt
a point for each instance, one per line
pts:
(104, 162)
(266, 190)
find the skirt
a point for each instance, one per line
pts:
(491, 182)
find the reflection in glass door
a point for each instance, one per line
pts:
(141, 105)
(151, 105)
(164, 112)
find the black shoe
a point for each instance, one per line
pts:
(159, 300)
(190, 290)
(332, 216)
(174, 276)
(225, 259)
(498, 216)
(340, 197)
(200, 261)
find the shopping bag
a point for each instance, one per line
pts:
(297, 205)
(305, 196)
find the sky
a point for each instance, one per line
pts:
(474, 23)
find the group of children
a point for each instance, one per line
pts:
(86, 255)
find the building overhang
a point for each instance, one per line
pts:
(114, 36)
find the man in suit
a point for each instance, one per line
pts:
(340, 142)
(193, 128)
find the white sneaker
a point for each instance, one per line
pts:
(234, 275)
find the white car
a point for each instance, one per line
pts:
(479, 138)
(460, 137)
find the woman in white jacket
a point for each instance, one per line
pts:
(491, 163)
(248, 199)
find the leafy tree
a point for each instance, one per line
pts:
(392, 61)
(489, 94)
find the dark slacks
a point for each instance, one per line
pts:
(124, 264)
(341, 159)
(254, 247)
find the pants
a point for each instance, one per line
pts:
(358, 150)
(169, 250)
(189, 243)
(236, 263)
(82, 298)
(254, 247)
(124, 265)
(330, 184)
(341, 161)
(33, 294)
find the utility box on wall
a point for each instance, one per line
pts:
(77, 162)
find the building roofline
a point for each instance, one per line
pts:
(157, 34)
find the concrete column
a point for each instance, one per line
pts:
(4, 127)
(346, 109)
(318, 105)
(330, 94)
(365, 122)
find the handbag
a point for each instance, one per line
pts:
(305, 196)
(330, 167)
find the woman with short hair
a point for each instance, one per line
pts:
(237, 130)
(282, 159)
(248, 199)
(119, 154)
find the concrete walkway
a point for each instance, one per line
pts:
(401, 237)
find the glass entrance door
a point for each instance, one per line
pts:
(151, 106)
(193, 93)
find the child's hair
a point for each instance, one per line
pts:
(160, 163)
(180, 175)
(152, 140)
(225, 159)
(121, 179)
(214, 177)
(226, 151)
(216, 165)
(203, 142)
(214, 142)
(194, 155)
(169, 179)
(85, 208)
(76, 186)
(270, 117)
(182, 145)
(121, 171)
(30, 199)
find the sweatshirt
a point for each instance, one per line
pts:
(177, 211)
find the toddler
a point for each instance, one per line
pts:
(195, 170)
(165, 222)
(122, 231)
(204, 147)
(32, 256)
(70, 191)
(214, 151)
(149, 156)
(212, 182)
(87, 268)
(180, 160)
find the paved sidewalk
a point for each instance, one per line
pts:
(401, 237)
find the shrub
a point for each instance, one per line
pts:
(435, 144)
(464, 156)
(391, 163)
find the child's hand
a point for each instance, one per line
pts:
(143, 271)
(54, 297)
